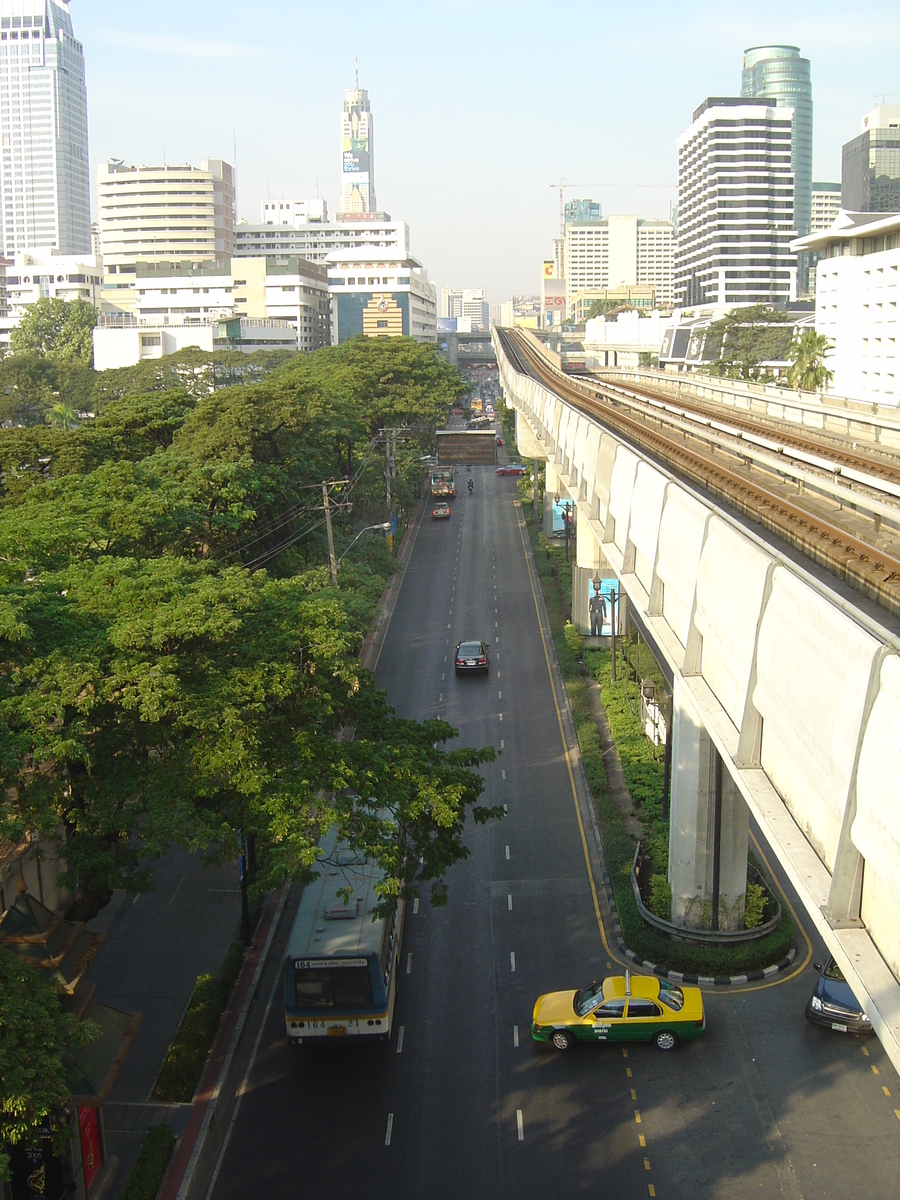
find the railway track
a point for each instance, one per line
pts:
(865, 567)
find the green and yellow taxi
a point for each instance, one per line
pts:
(620, 1008)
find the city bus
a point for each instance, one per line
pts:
(340, 967)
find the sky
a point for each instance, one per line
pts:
(478, 105)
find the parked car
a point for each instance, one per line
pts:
(511, 469)
(620, 1008)
(833, 1004)
(472, 656)
(440, 510)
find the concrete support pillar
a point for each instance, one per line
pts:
(453, 349)
(581, 598)
(551, 484)
(706, 809)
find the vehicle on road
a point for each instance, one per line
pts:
(471, 656)
(458, 412)
(471, 486)
(499, 440)
(511, 469)
(833, 1003)
(441, 510)
(620, 1008)
(443, 482)
(341, 966)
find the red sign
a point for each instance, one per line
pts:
(89, 1127)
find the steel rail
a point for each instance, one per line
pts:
(868, 569)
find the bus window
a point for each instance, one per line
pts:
(338, 987)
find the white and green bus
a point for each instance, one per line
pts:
(340, 967)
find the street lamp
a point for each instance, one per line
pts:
(384, 526)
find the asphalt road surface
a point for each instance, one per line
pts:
(461, 1103)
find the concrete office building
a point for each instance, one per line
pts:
(826, 204)
(357, 152)
(616, 251)
(858, 303)
(45, 188)
(468, 304)
(381, 296)
(870, 164)
(165, 214)
(314, 240)
(294, 212)
(736, 205)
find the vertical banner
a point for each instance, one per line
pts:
(89, 1128)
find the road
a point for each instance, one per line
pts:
(464, 1105)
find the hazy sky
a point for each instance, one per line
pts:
(478, 104)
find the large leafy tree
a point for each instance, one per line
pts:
(36, 1038)
(61, 330)
(744, 342)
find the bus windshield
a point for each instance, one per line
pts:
(333, 987)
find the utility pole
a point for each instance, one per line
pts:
(331, 556)
(612, 630)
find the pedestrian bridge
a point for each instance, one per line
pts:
(778, 673)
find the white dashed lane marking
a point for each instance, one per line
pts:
(390, 1129)
(400, 1039)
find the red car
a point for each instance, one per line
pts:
(458, 412)
(511, 469)
(499, 440)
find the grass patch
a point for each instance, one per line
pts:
(147, 1173)
(644, 769)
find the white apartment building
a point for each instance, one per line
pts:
(45, 189)
(736, 205)
(826, 204)
(858, 303)
(619, 250)
(381, 296)
(283, 304)
(294, 212)
(315, 240)
(32, 276)
(165, 214)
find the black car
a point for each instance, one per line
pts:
(833, 1004)
(471, 656)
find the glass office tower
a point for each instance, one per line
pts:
(779, 73)
(45, 191)
(870, 167)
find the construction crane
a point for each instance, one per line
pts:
(562, 185)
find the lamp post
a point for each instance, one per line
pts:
(384, 526)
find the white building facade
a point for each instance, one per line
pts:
(736, 205)
(619, 250)
(32, 276)
(315, 240)
(469, 305)
(858, 303)
(170, 214)
(357, 153)
(45, 190)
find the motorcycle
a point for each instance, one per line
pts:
(471, 486)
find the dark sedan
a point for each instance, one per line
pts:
(471, 656)
(833, 1004)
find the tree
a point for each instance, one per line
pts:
(36, 1038)
(63, 415)
(808, 353)
(61, 330)
(740, 343)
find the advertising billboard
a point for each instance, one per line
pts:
(600, 605)
(356, 155)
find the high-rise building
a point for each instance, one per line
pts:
(45, 188)
(582, 210)
(826, 204)
(470, 304)
(736, 205)
(357, 153)
(161, 214)
(618, 250)
(870, 164)
(314, 238)
(779, 73)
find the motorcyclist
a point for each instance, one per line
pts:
(471, 486)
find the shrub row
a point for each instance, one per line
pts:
(147, 1173)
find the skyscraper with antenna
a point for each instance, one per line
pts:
(357, 153)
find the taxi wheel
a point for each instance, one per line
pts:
(666, 1040)
(562, 1039)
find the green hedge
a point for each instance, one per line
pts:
(147, 1173)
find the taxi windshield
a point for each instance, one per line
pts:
(588, 997)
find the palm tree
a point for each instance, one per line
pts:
(63, 415)
(808, 352)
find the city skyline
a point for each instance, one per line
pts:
(469, 138)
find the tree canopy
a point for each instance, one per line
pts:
(746, 341)
(808, 352)
(60, 330)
